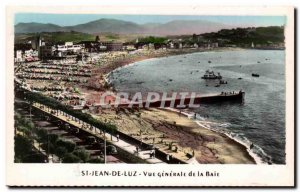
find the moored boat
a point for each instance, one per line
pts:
(211, 75)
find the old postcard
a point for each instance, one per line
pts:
(150, 96)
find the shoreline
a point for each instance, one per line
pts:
(170, 54)
(243, 146)
(242, 149)
(98, 80)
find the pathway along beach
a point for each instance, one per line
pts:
(171, 132)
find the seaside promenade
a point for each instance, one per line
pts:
(130, 148)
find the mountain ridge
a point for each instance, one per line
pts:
(175, 27)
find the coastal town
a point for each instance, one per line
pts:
(59, 85)
(148, 96)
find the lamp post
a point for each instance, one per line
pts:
(104, 148)
(141, 138)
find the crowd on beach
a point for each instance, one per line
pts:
(54, 78)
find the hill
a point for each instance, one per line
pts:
(38, 28)
(178, 27)
(108, 25)
(55, 37)
(238, 36)
(181, 27)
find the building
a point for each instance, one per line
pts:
(95, 46)
(174, 44)
(19, 56)
(160, 46)
(112, 45)
(178, 45)
(36, 43)
(69, 48)
(90, 46)
(47, 51)
(215, 45)
(129, 46)
(25, 53)
(171, 45)
(61, 50)
(31, 53)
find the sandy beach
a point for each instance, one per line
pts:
(163, 127)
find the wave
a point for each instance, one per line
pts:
(256, 152)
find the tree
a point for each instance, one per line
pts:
(96, 160)
(52, 138)
(152, 39)
(23, 125)
(97, 38)
(48, 147)
(22, 147)
(41, 134)
(195, 38)
(18, 119)
(71, 158)
(68, 145)
(34, 157)
(61, 152)
(82, 154)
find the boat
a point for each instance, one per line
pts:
(222, 82)
(211, 75)
(240, 78)
(255, 75)
(217, 85)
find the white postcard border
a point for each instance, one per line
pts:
(230, 175)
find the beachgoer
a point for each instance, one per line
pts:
(251, 146)
(176, 148)
(168, 157)
(118, 137)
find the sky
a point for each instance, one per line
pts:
(74, 19)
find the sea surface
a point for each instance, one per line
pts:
(259, 120)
